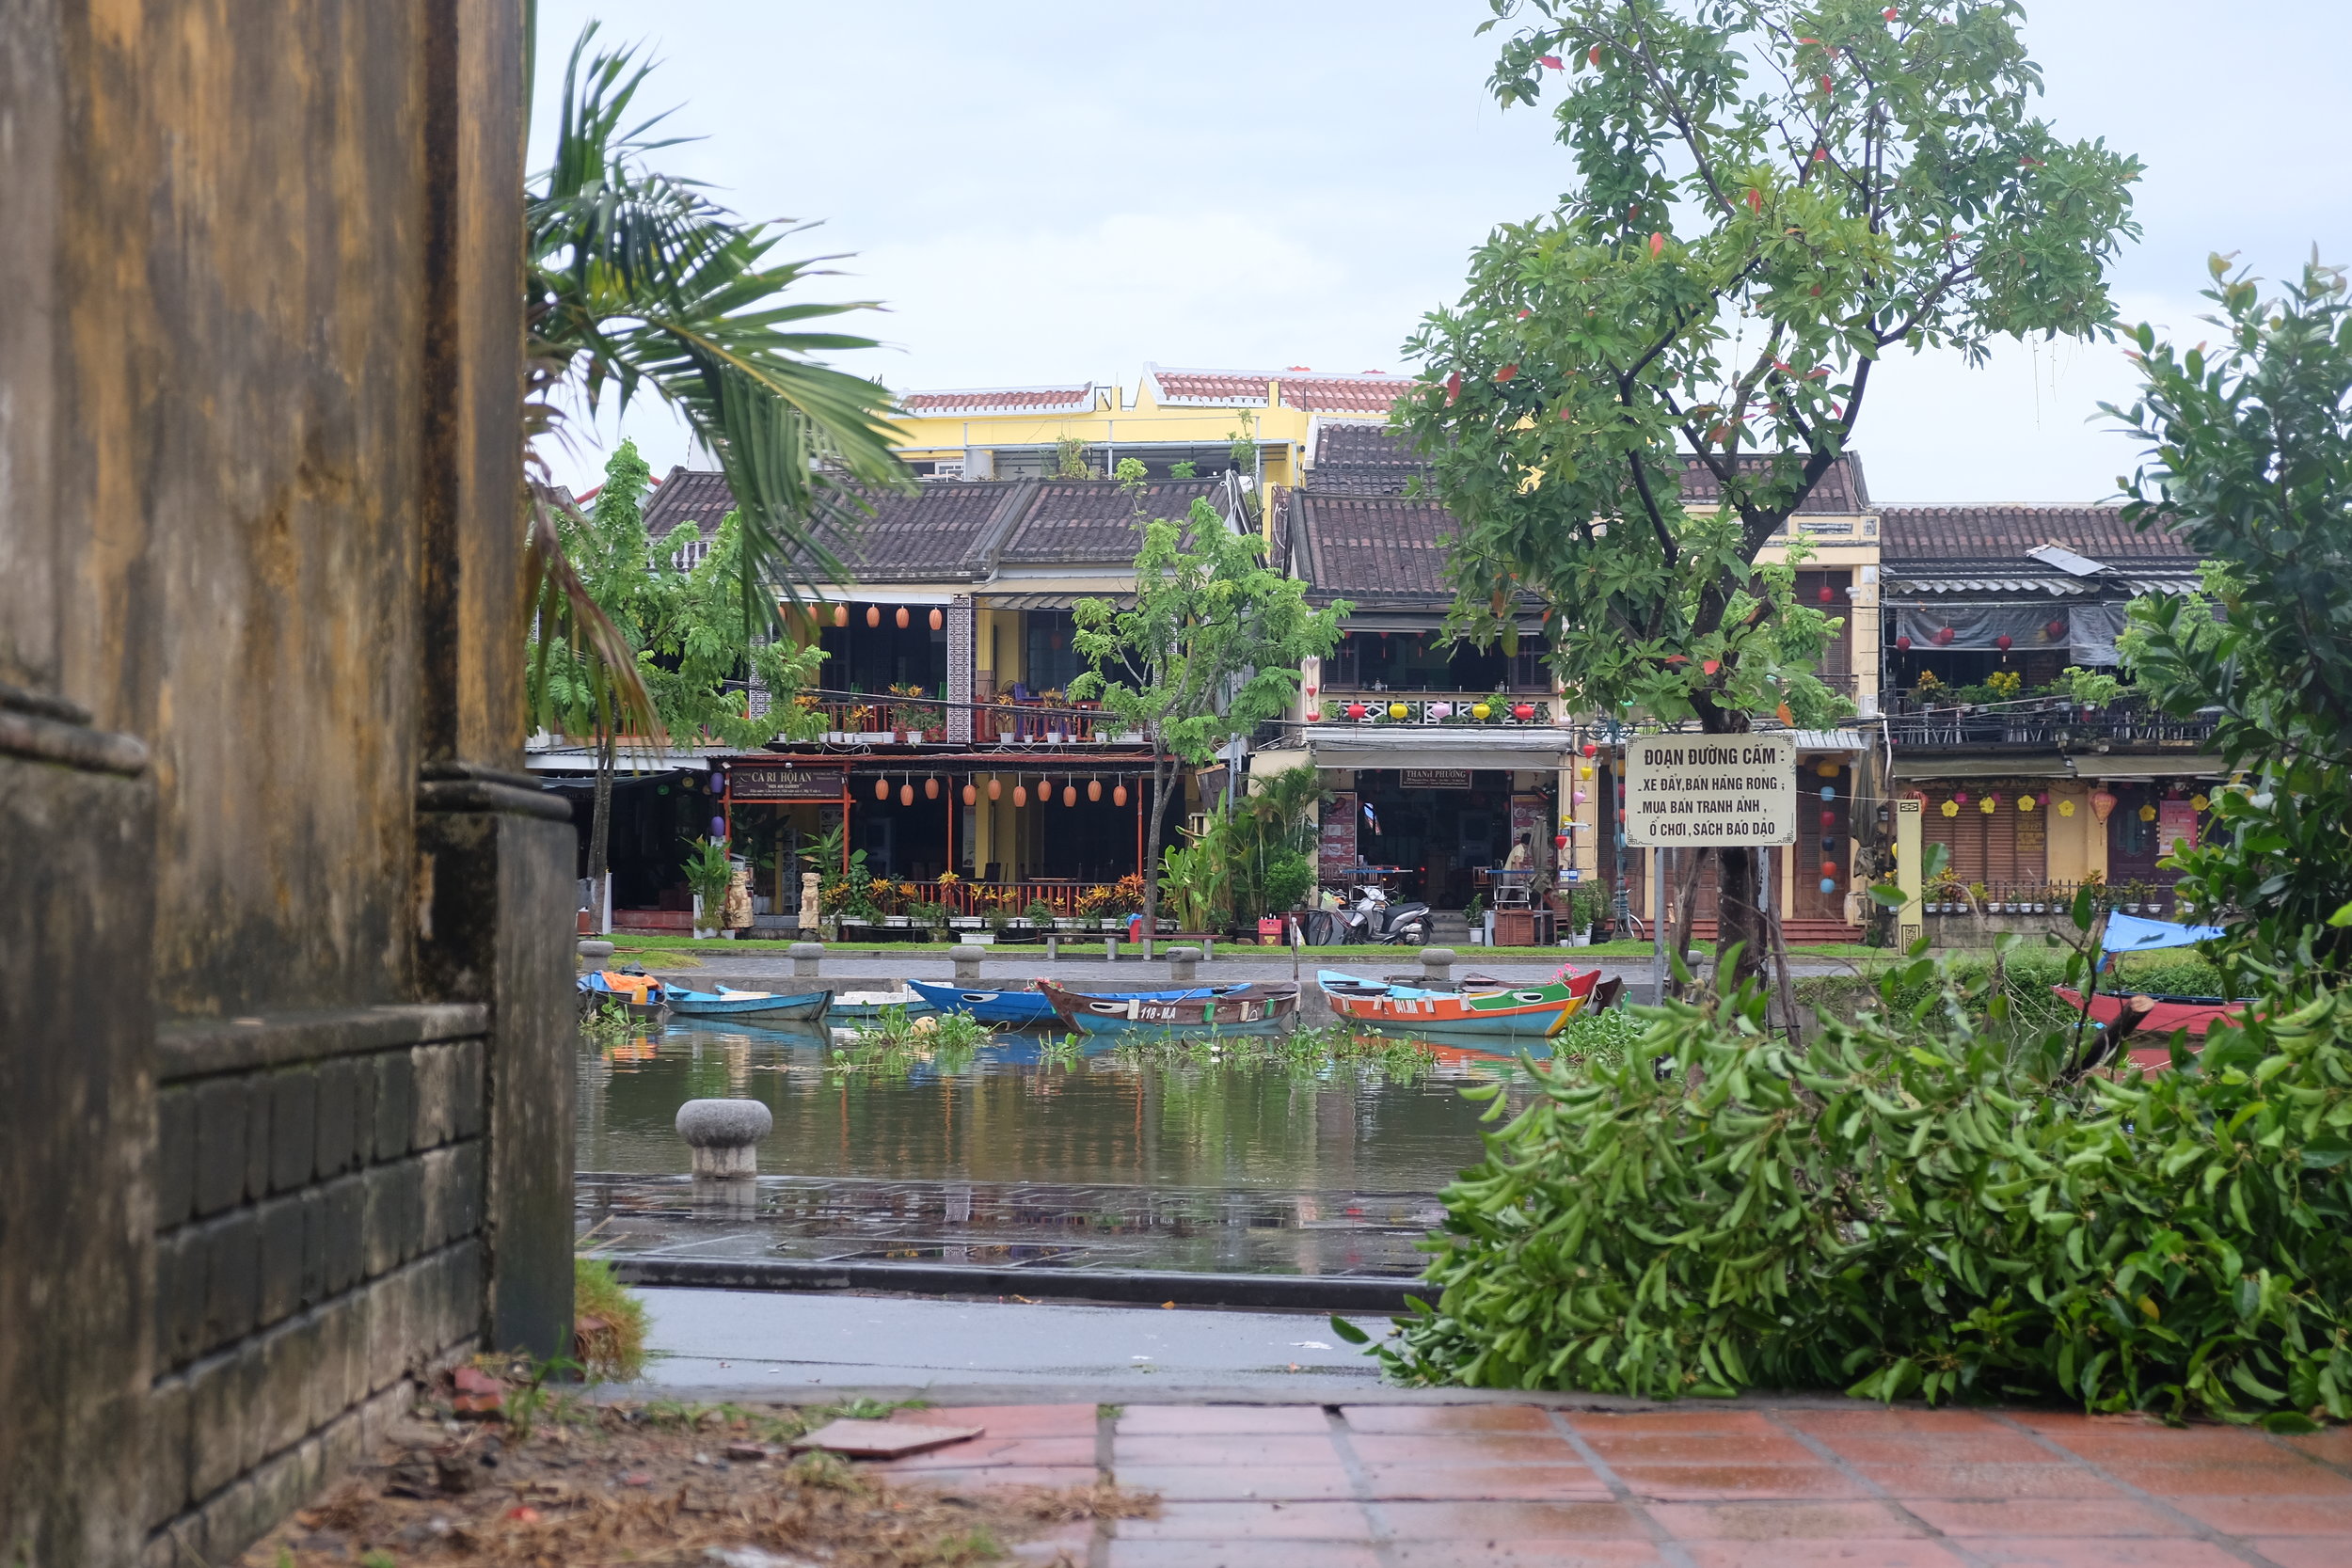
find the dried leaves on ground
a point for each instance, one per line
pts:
(575, 1485)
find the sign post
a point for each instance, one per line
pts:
(1692, 792)
(1910, 920)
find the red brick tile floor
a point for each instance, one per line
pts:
(1722, 1486)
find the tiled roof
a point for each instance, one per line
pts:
(692, 495)
(938, 531)
(1373, 548)
(1984, 535)
(1371, 392)
(1094, 520)
(1075, 397)
(1841, 491)
(1216, 389)
(1362, 460)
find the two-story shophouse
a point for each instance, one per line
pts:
(1444, 758)
(945, 742)
(2031, 789)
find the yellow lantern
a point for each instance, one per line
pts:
(1984, 804)
(2147, 814)
(1826, 768)
(2066, 808)
(2198, 802)
(1951, 808)
(1398, 711)
(1584, 770)
(1481, 710)
(2025, 802)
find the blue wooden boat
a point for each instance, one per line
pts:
(1030, 1009)
(728, 1002)
(640, 993)
(1252, 1009)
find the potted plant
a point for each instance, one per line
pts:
(710, 873)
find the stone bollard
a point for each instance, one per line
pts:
(1180, 965)
(967, 960)
(596, 950)
(804, 957)
(1110, 950)
(725, 1135)
(1436, 965)
(1052, 950)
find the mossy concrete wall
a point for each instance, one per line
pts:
(282, 940)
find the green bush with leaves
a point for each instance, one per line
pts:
(1923, 1201)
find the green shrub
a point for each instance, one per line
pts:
(1916, 1202)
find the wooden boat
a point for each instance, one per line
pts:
(642, 994)
(1028, 1008)
(726, 1001)
(1243, 1009)
(873, 1003)
(2170, 1015)
(1475, 1008)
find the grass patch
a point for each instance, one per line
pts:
(607, 1323)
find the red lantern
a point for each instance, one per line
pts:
(1069, 795)
(2002, 642)
(1095, 789)
(1355, 710)
(1828, 821)
(1589, 749)
(882, 789)
(1828, 594)
(938, 620)
(902, 617)
(1829, 868)
(2055, 630)
(930, 789)
(971, 795)
(906, 795)
(1903, 642)
(873, 615)
(1944, 634)
(1119, 796)
(996, 789)
(1523, 711)
(841, 615)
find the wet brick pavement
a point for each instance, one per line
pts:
(1753, 1485)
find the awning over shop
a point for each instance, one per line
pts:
(1062, 599)
(1430, 746)
(2041, 765)
(2132, 769)
(1810, 742)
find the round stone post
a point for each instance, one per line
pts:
(596, 950)
(1180, 965)
(804, 956)
(725, 1135)
(967, 960)
(1436, 965)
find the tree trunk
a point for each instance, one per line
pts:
(1156, 810)
(1686, 901)
(600, 833)
(1738, 894)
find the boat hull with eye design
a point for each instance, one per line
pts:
(1531, 1011)
(1254, 1009)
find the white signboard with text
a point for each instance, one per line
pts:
(1708, 791)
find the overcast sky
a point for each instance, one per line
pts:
(1046, 189)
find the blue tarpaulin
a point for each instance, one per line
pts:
(2130, 934)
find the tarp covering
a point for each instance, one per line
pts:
(2086, 632)
(2132, 933)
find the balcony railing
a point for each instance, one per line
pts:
(1460, 709)
(915, 903)
(885, 717)
(2044, 725)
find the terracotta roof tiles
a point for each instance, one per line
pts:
(1989, 534)
(1075, 397)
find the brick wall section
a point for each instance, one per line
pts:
(320, 1198)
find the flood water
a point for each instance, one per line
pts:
(1019, 1155)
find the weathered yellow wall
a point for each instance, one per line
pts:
(948, 435)
(2077, 843)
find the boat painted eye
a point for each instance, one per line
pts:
(976, 996)
(1528, 995)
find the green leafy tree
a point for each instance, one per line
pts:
(688, 647)
(2249, 455)
(1769, 198)
(635, 282)
(1209, 652)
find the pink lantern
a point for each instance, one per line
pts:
(1439, 710)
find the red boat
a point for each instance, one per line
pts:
(2195, 1014)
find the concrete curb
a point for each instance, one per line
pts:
(1286, 1292)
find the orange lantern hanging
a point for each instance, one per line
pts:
(902, 617)
(1119, 796)
(882, 789)
(996, 789)
(906, 795)
(1095, 789)
(938, 620)
(841, 615)
(2102, 803)
(930, 789)
(971, 795)
(1069, 795)
(1020, 795)
(873, 615)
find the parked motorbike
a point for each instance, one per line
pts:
(1371, 920)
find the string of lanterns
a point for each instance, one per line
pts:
(900, 617)
(1068, 791)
